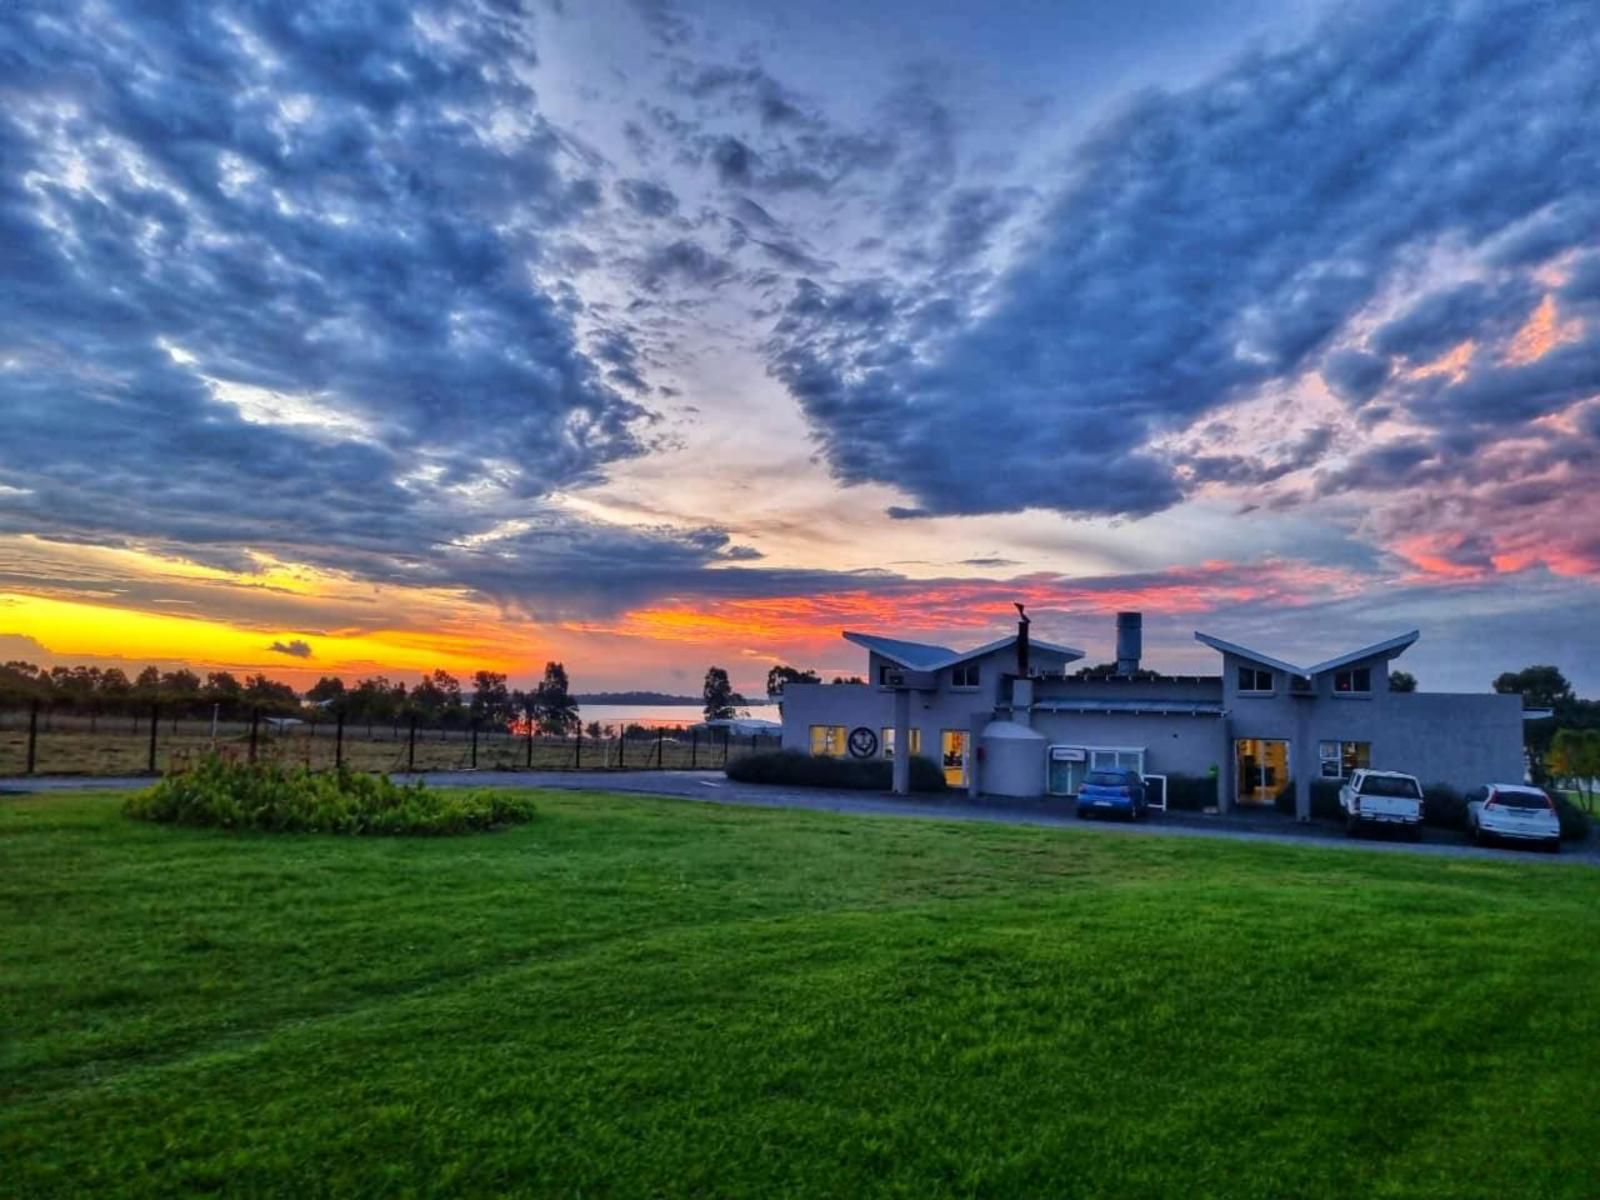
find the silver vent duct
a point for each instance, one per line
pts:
(1130, 642)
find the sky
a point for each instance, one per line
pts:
(369, 338)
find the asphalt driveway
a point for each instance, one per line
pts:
(712, 787)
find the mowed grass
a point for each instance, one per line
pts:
(646, 997)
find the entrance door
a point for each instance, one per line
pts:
(1261, 767)
(953, 754)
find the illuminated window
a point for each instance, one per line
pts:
(1353, 682)
(1338, 759)
(1253, 680)
(888, 741)
(827, 741)
(964, 677)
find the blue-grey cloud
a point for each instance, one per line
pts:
(336, 209)
(1206, 244)
(294, 648)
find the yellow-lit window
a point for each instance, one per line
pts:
(888, 741)
(827, 741)
(953, 756)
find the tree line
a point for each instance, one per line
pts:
(438, 699)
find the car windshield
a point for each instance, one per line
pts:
(1389, 785)
(1521, 799)
(1107, 779)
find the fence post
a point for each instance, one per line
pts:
(255, 727)
(726, 739)
(694, 748)
(474, 745)
(155, 717)
(577, 751)
(411, 746)
(33, 734)
(338, 740)
(529, 715)
(622, 747)
(661, 736)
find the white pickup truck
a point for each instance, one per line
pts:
(1382, 798)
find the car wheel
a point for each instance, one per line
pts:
(1553, 846)
(1414, 833)
(1351, 826)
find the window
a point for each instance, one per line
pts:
(883, 674)
(1389, 785)
(1354, 682)
(1252, 679)
(964, 676)
(1070, 765)
(1340, 758)
(887, 741)
(953, 756)
(1102, 759)
(827, 741)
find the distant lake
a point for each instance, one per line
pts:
(653, 716)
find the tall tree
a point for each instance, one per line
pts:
(719, 695)
(554, 708)
(491, 701)
(1541, 686)
(781, 675)
(1402, 681)
(327, 690)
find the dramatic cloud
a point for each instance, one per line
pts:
(271, 275)
(294, 648)
(1212, 243)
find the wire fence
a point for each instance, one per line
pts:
(45, 739)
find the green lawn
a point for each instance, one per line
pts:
(645, 997)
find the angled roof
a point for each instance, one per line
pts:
(915, 656)
(1266, 660)
(1389, 648)
(922, 656)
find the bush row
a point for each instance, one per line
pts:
(1444, 807)
(1191, 793)
(267, 796)
(798, 769)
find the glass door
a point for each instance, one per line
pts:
(1261, 767)
(953, 755)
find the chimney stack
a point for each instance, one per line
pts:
(1130, 642)
(1022, 642)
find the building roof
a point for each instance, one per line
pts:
(1389, 648)
(1154, 706)
(923, 656)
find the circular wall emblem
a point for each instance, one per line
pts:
(863, 742)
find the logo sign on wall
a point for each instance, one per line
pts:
(863, 742)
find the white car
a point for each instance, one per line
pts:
(1513, 812)
(1382, 798)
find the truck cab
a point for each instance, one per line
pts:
(1382, 798)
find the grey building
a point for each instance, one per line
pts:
(1012, 718)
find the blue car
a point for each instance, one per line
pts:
(1112, 791)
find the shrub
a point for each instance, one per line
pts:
(798, 769)
(1574, 821)
(269, 796)
(1190, 793)
(1444, 806)
(1324, 799)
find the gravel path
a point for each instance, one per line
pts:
(713, 787)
